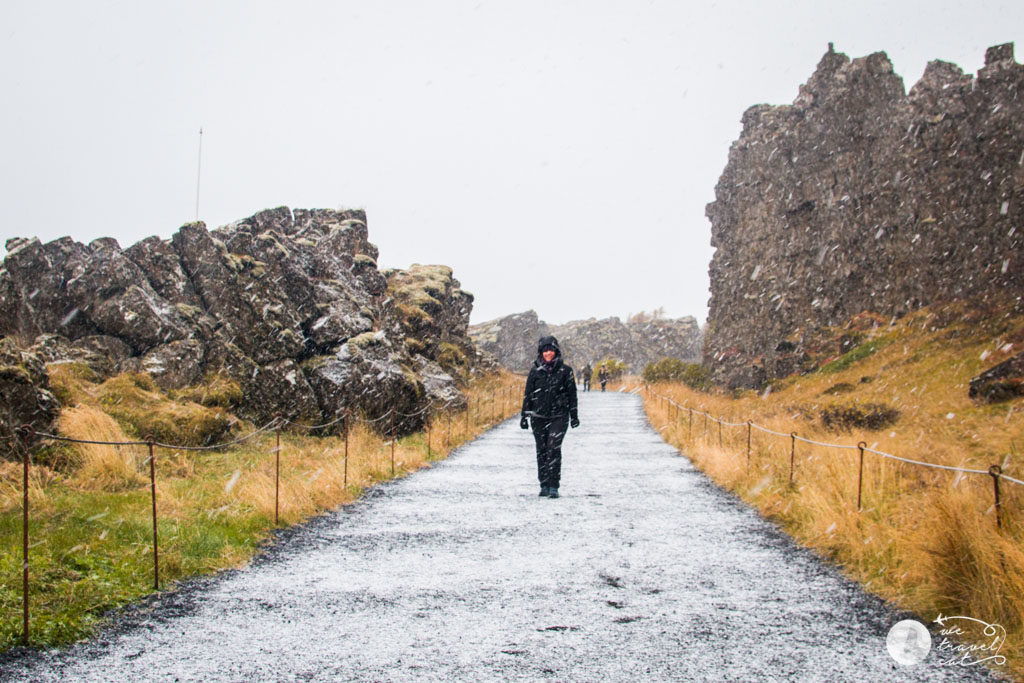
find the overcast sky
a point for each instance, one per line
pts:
(558, 155)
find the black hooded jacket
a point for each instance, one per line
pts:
(550, 392)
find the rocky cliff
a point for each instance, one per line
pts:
(513, 340)
(862, 197)
(290, 304)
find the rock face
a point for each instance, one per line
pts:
(290, 304)
(859, 197)
(25, 397)
(513, 340)
(1001, 382)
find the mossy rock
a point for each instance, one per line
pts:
(216, 391)
(365, 340)
(71, 381)
(134, 401)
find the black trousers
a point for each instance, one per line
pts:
(548, 432)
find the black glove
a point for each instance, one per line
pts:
(523, 423)
(574, 420)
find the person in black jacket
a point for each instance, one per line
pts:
(550, 403)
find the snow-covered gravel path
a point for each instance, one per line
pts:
(642, 571)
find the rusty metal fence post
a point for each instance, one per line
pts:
(152, 488)
(428, 435)
(392, 442)
(689, 428)
(860, 473)
(345, 425)
(22, 441)
(719, 433)
(277, 468)
(448, 431)
(792, 454)
(995, 471)
(748, 445)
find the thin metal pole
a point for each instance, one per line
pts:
(346, 446)
(448, 432)
(689, 428)
(22, 441)
(428, 436)
(748, 445)
(469, 407)
(277, 474)
(860, 474)
(719, 433)
(199, 171)
(996, 471)
(792, 454)
(152, 488)
(392, 442)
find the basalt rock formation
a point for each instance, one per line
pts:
(513, 340)
(290, 304)
(25, 397)
(861, 197)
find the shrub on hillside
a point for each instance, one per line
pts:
(859, 416)
(664, 370)
(693, 375)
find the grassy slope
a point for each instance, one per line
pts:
(91, 528)
(926, 539)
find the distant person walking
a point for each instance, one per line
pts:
(603, 376)
(550, 404)
(587, 372)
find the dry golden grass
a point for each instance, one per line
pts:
(214, 508)
(925, 538)
(100, 467)
(313, 472)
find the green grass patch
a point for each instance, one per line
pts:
(854, 355)
(91, 549)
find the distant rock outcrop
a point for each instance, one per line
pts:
(290, 304)
(859, 197)
(513, 340)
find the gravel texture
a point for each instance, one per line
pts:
(642, 570)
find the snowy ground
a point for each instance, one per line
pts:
(643, 570)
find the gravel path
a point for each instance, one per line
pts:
(643, 570)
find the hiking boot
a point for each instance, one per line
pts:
(544, 491)
(552, 493)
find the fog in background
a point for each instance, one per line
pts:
(558, 155)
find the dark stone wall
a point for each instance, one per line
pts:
(861, 197)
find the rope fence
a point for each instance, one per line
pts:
(994, 471)
(488, 412)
